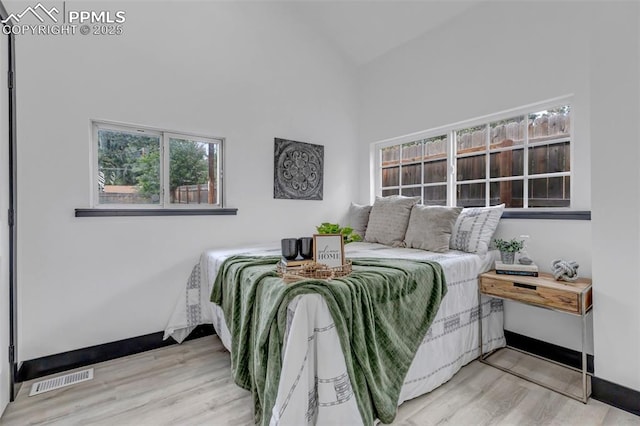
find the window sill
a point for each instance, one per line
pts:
(155, 212)
(554, 215)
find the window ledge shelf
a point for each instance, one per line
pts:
(554, 215)
(155, 212)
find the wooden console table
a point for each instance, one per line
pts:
(573, 298)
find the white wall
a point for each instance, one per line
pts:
(551, 240)
(248, 72)
(502, 55)
(615, 92)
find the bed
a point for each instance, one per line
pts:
(314, 386)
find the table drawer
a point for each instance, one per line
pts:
(530, 293)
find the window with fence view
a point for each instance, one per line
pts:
(156, 168)
(522, 161)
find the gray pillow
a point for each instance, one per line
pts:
(430, 227)
(389, 219)
(474, 229)
(358, 218)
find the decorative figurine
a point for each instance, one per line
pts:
(565, 270)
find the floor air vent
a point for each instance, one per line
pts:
(61, 381)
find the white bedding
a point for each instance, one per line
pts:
(314, 385)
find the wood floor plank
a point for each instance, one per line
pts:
(553, 375)
(538, 407)
(191, 384)
(442, 403)
(620, 418)
(492, 405)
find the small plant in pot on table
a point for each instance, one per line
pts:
(508, 249)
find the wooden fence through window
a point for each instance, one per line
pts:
(194, 194)
(472, 159)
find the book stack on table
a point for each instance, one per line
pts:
(516, 269)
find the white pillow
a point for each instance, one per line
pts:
(430, 227)
(389, 219)
(474, 228)
(358, 218)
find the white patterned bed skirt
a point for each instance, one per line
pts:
(314, 385)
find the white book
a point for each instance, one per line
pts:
(516, 267)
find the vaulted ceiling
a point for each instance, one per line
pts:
(363, 30)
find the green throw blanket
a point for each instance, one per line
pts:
(382, 311)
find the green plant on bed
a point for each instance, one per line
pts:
(334, 228)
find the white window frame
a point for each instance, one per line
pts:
(450, 131)
(163, 136)
(422, 184)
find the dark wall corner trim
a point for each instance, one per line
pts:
(602, 390)
(57, 363)
(154, 212)
(613, 394)
(559, 215)
(548, 350)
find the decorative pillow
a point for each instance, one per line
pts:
(358, 218)
(430, 227)
(474, 229)
(389, 219)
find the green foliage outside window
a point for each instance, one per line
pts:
(134, 160)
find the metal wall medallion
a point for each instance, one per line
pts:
(298, 170)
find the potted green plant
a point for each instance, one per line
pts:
(334, 228)
(508, 249)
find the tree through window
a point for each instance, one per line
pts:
(156, 168)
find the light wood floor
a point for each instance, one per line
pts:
(190, 384)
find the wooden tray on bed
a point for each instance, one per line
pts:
(312, 270)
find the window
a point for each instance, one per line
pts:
(417, 168)
(139, 167)
(520, 159)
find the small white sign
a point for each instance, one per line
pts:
(328, 249)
